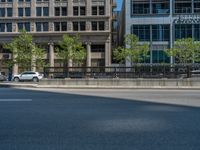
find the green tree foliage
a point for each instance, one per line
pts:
(25, 53)
(70, 48)
(134, 52)
(185, 51)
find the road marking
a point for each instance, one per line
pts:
(15, 100)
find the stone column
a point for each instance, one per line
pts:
(107, 8)
(70, 8)
(15, 66)
(88, 8)
(51, 59)
(33, 13)
(108, 53)
(51, 54)
(51, 8)
(15, 8)
(88, 64)
(70, 63)
(33, 60)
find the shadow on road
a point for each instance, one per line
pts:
(59, 121)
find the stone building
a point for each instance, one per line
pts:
(48, 20)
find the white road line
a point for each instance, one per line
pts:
(15, 100)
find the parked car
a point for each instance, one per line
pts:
(3, 77)
(28, 76)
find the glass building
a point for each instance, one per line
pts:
(160, 23)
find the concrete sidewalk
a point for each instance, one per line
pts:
(138, 83)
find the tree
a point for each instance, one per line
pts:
(25, 53)
(185, 51)
(133, 52)
(70, 48)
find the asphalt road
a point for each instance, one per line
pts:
(79, 120)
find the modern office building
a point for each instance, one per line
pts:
(160, 23)
(48, 20)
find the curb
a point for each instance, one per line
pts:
(28, 85)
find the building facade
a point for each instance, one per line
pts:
(48, 20)
(160, 23)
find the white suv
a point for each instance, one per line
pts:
(28, 76)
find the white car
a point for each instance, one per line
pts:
(28, 76)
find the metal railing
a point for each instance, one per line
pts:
(137, 71)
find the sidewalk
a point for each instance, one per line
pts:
(87, 86)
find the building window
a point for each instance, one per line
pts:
(94, 26)
(101, 25)
(9, 27)
(197, 32)
(45, 26)
(27, 26)
(98, 10)
(57, 11)
(183, 6)
(24, 26)
(160, 56)
(75, 11)
(5, 1)
(160, 32)
(64, 26)
(56, 26)
(2, 12)
(20, 12)
(142, 32)
(82, 11)
(42, 0)
(2, 27)
(98, 25)
(27, 11)
(94, 10)
(42, 11)
(196, 6)
(160, 6)
(82, 26)
(75, 26)
(45, 11)
(79, 26)
(42, 26)
(38, 11)
(64, 11)
(183, 31)
(60, 26)
(60, 11)
(9, 12)
(79, 11)
(38, 26)
(98, 48)
(24, 0)
(101, 10)
(140, 7)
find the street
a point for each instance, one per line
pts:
(97, 119)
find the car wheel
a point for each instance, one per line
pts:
(35, 79)
(16, 79)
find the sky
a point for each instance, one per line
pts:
(119, 4)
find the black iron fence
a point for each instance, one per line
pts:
(136, 71)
